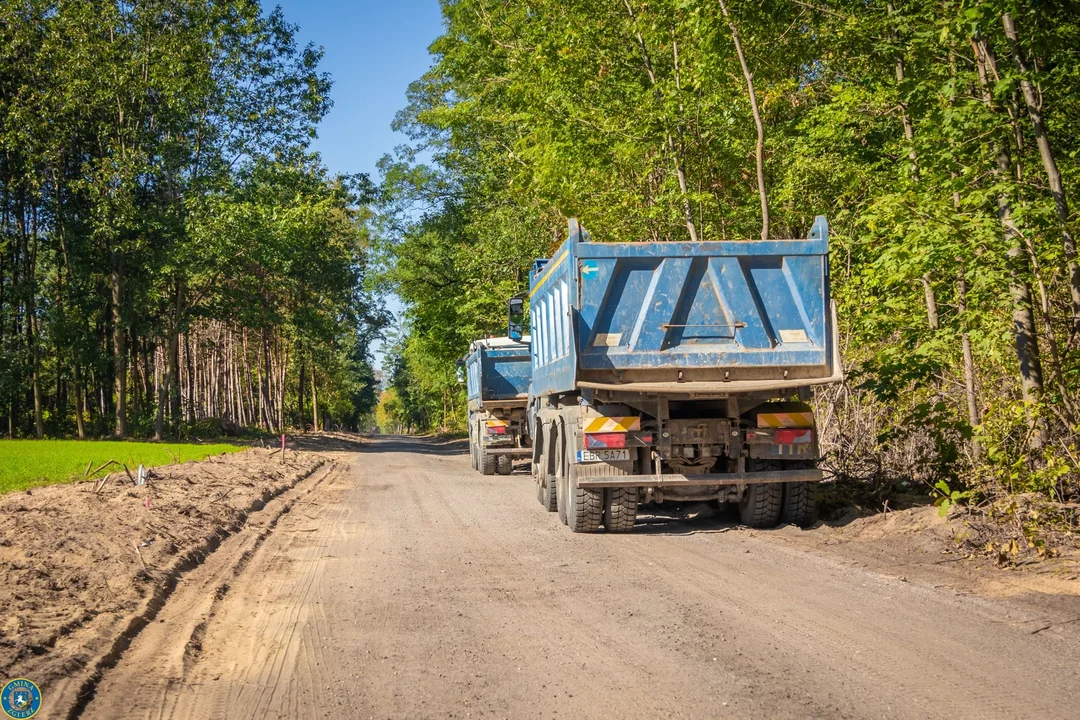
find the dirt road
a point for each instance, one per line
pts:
(409, 586)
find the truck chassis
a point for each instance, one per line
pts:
(694, 449)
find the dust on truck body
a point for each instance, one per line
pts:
(497, 382)
(679, 371)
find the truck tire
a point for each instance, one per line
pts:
(487, 462)
(584, 507)
(504, 464)
(559, 475)
(798, 507)
(760, 504)
(620, 509)
(548, 493)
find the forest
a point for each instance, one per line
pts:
(174, 259)
(941, 138)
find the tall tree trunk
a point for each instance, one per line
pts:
(28, 237)
(300, 396)
(1024, 332)
(931, 303)
(315, 397)
(1049, 162)
(281, 384)
(252, 411)
(267, 374)
(79, 399)
(760, 147)
(35, 372)
(169, 397)
(116, 283)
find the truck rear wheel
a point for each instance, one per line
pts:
(760, 504)
(798, 505)
(584, 507)
(487, 462)
(620, 509)
(561, 487)
(546, 479)
(504, 464)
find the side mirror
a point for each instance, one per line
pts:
(459, 372)
(516, 310)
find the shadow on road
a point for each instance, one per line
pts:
(327, 442)
(693, 519)
(419, 445)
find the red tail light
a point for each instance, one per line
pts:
(496, 430)
(605, 440)
(791, 436)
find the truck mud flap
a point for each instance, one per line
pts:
(677, 479)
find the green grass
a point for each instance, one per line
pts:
(32, 463)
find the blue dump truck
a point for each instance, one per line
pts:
(679, 371)
(497, 373)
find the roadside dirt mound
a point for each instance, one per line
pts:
(918, 545)
(80, 564)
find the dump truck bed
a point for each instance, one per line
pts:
(706, 317)
(498, 370)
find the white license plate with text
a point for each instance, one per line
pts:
(591, 456)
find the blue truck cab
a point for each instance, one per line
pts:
(497, 375)
(679, 371)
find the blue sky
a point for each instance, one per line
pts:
(373, 50)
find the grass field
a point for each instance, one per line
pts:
(31, 463)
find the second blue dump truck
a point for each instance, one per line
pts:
(497, 373)
(679, 371)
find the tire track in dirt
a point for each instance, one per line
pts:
(156, 662)
(429, 590)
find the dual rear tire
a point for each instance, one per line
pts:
(770, 504)
(492, 464)
(585, 510)
(620, 509)
(488, 462)
(545, 475)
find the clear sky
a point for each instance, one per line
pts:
(373, 50)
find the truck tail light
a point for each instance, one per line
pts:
(605, 440)
(496, 429)
(793, 436)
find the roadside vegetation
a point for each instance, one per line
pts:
(172, 254)
(941, 139)
(30, 463)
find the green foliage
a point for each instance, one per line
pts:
(26, 464)
(947, 497)
(156, 191)
(879, 116)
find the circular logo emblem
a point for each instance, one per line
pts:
(20, 699)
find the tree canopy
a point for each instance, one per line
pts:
(940, 139)
(171, 252)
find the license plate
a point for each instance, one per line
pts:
(591, 456)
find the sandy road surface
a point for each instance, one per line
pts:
(409, 586)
